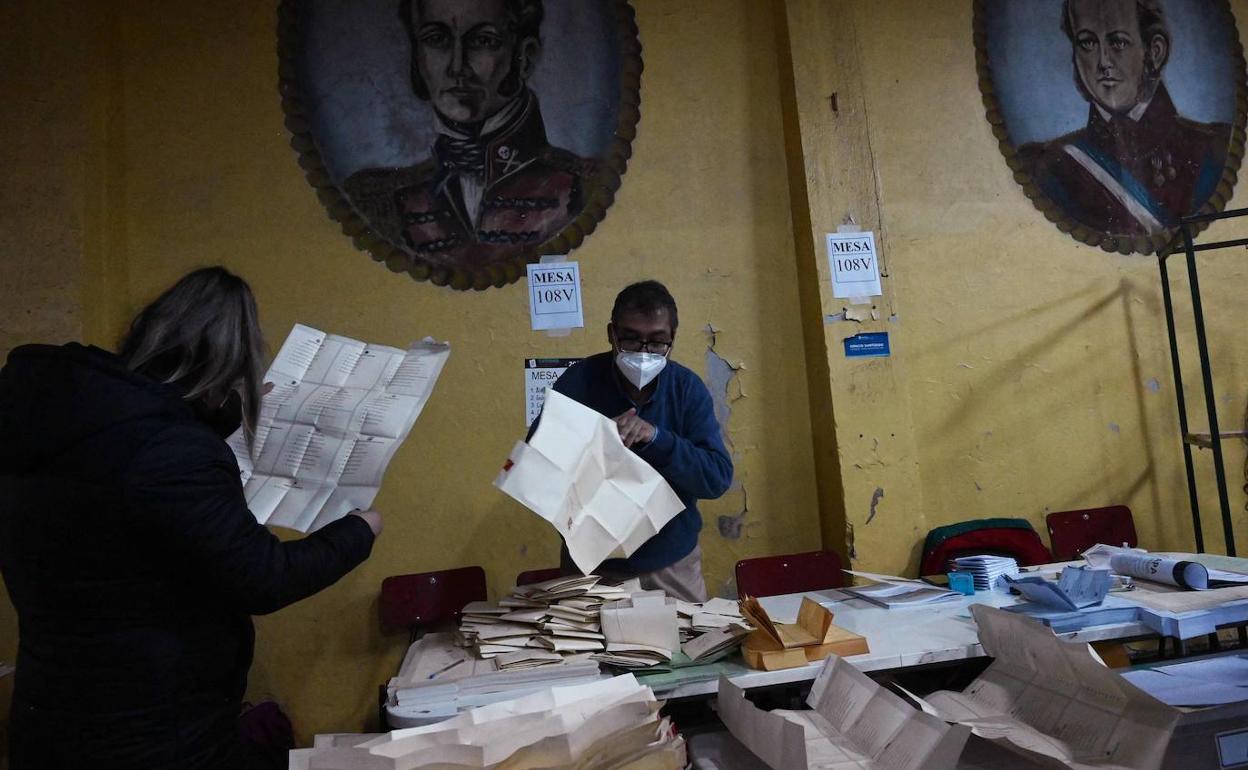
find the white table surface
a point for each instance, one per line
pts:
(899, 638)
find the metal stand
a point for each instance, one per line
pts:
(1213, 439)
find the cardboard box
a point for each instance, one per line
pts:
(774, 646)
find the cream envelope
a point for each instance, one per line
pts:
(576, 474)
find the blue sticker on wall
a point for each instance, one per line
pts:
(867, 345)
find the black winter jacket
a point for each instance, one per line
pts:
(134, 564)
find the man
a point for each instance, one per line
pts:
(1138, 165)
(664, 414)
(493, 184)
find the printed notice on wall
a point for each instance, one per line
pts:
(555, 296)
(540, 374)
(855, 267)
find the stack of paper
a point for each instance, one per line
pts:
(613, 723)
(987, 570)
(338, 411)
(576, 473)
(695, 619)
(541, 624)
(894, 592)
(853, 724)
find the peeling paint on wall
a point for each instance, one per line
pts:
(724, 383)
(731, 527)
(875, 501)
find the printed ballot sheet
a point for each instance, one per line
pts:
(1055, 699)
(576, 474)
(338, 411)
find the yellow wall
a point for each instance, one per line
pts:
(1016, 350)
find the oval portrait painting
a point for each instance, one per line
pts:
(1118, 117)
(458, 140)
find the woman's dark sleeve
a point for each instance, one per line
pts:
(184, 484)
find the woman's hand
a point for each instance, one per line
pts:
(372, 518)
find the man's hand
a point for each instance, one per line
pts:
(372, 518)
(633, 429)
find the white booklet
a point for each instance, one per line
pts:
(338, 411)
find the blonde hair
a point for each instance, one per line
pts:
(202, 335)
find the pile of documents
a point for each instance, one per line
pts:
(987, 570)
(893, 592)
(575, 472)
(543, 623)
(612, 724)
(853, 723)
(439, 679)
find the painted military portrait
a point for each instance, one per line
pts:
(1118, 117)
(457, 140)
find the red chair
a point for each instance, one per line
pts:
(1073, 532)
(791, 573)
(529, 577)
(429, 598)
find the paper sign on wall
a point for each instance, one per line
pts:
(555, 296)
(540, 374)
(854, 263)
(867, 345)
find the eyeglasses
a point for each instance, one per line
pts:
(649, 346)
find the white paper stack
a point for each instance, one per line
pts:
(541, 624)
(438, 679)
(610, 723)
(986, 569)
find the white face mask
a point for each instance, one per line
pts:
(640, 368)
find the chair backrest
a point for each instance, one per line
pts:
(1002, 537)
(531, 576)
(791, 573)
(428, 598)
(1073, 532)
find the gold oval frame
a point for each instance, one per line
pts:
(1162, 243)
(600, 189)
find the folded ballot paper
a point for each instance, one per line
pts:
(1171, 569)
(576, 474)
(853, 724)
(338, 411)
(1055, 701)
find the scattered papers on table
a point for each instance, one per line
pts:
(576, 474)
(853, 724)
(338, 411)
(1168, 569)
(773, 646)
(1075, 589)
(1055, 699)
(895, 592)
(987, 570)
(612, 723)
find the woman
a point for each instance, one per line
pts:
(126, 543)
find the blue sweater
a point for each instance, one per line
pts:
(687, 450)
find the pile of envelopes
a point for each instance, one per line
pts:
(543, 623)
(612, 724)
(772, 646)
